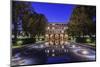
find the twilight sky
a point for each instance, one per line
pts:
(59, 13)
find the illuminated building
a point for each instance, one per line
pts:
(56, 33)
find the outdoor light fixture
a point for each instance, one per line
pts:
(53, 54)
(73, 46)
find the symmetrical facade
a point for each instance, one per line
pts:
(56, 33)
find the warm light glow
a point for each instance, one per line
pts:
(48, 28)
(46, 35)
(51, 35)
(62, 42)
(66, 42)
(47, 43)
(62, 31)
(53, 28)
(51, 42)
(66, 35)
(61, 35)
(56, 43)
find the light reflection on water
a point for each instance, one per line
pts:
(22, 61)
(54, 54)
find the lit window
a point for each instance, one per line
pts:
(62, 31)
(48, 28)
(53, 28)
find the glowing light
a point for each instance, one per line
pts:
(53, 50)
(85, 52)
(41, 46)
(40, 39)
(51, 35)
(47, 51)
(56, 43)
(62, 47)
(53, 54)
(53, 28)
(73, 46)
(66, 42)
(48, 28)
(65, 50)
(61, 35)
(19, 42)
(62, 31)
(12, 36)
(46, 35)
(46, 43)
(51, 42)
(62, 42)
(66, 35)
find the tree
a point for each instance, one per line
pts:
(81, 21)
(19, 10)
(37, 24)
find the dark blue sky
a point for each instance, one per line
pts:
(54, 12)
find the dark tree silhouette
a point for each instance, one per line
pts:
(19, 9)
(81, 22)
(32, 22)
(37, 24)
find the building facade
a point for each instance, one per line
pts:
(56, 34)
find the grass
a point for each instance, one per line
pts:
(16, 45)
(91, 44)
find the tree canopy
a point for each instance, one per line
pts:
(32, 22)
(81, 21)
